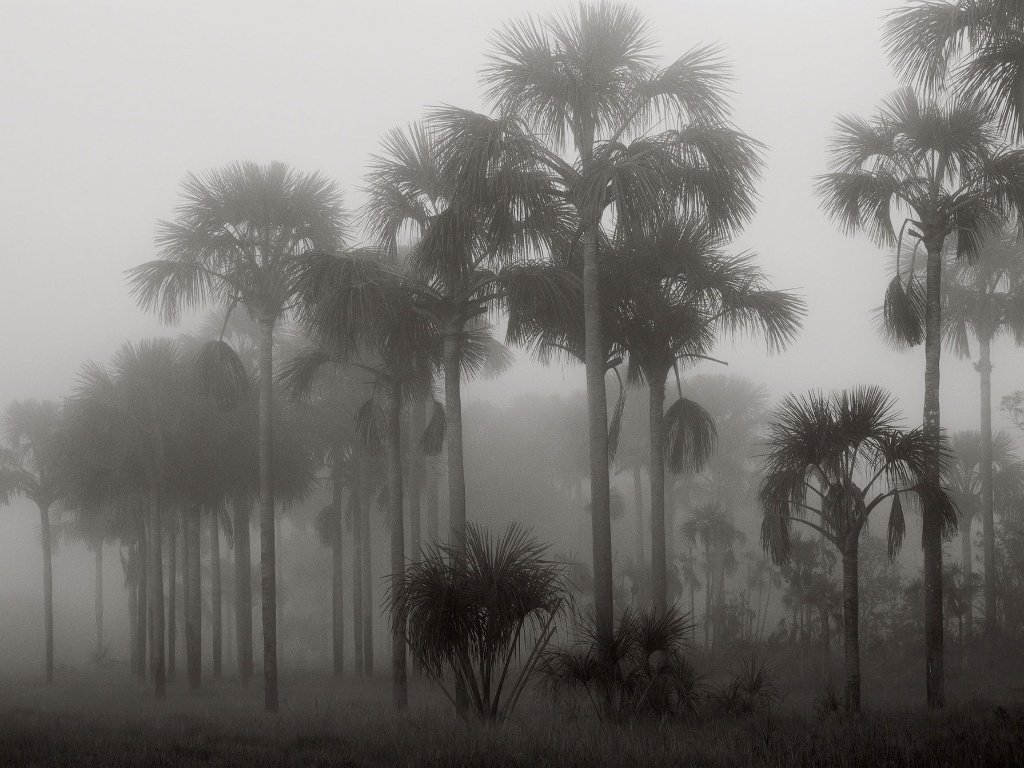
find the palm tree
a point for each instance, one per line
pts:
(971, 46)
(965, 479)
(460, 244)
(830, 461)
(30, 466)
(711, 527)
(587, 76)
(235, 240)
(941, 169)
(984, 298)
(365, 312)
(671, 289)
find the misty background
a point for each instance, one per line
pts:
(107, 106)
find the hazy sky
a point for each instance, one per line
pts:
(106, 106)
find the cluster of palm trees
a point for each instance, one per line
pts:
(593, 210)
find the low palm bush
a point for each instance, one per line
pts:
(639, 668)
(472, 608)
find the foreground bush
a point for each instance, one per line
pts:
(467, 616)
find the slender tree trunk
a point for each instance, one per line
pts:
(357, 574)
(932, 522)
(987, 500)
(337, 577)
(193, 602)
(399, 682)
(827, 646)
(365, 503)
(851, 636)
(99, 600)
(142, 614)
(638, 505)
(133, 609)
(280, 591)
(453, 435)
(243, 592)
(597, 422)
(417, 424)
(967, 567)
(266, 464)
(707, 597)
(433, 504)
(44, 527)
(156, 596)
(216, 627)
(659, 566)
(172, 595)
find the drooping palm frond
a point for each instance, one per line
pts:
(221, 374)
(690, 436)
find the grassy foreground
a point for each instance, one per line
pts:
(96, 722)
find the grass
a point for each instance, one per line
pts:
(89, 720)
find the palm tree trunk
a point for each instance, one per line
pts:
(172, 596)
(851, 637)
(133, 609)
(399, 682)
(243, 591)
(142, 602)
(156, 596)
(597, 423)
(433, 505)
(932, 522)
(707, 596)
(216, 628)
(417, 423)
(357, 575)
(659, 567)
(193, 603)
(367, 543)
(266, 464)
(337, 578)
(99, 600)
(967, 568)
(453, 436)
(638, 504)
(44, 527)
(280, 590)
(987, 500)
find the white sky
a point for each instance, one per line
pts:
(106, 106)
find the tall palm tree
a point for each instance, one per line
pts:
(984, 300)
(965, 478)
(831, 461)
(235, 240)
(586, 81)
(671, 290)
(969, 46)
(939, 169)
(30, 466)
(365, 311)
(460, 242)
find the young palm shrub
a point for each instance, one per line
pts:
(639, 668)
(836, 458)
(470, 608)
(750, 688)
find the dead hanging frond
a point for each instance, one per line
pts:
(615, 424)
(221, 375)
(902, 318)
(371, 427)
(690, 436)
(432, 440)
(897, 527)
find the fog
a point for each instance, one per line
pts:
(108, 105)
